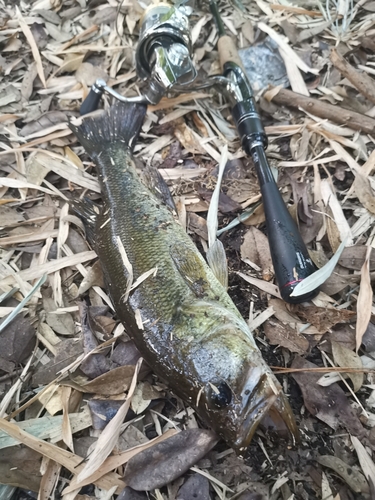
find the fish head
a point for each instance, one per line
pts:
(238, 389)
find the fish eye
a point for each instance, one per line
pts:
(220, 395)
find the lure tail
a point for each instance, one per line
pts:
(120, 125)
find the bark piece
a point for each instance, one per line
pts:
(322, 109)
(361, 80)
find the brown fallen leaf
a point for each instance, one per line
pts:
(336, 282)
(364, 302)
(364, 192)
(353, 477)
(61, 323)
(280, 334)
(34, 48)
(125, 354)
(96, 364)
(104, 325)
(102, 411)
(249, 495)
(93, 278)
(68, 351)
(17, 340)
(108, 438)
(257, 217)
(366, 462)
(196, 486)
(186, 137)
(226, 204)
(19, 467)
(198, 225)
(166, 461)
(310, 229)
(344, 334)
(111, 383)
(115, 461)
(50, 478)
(255, 247)
(70, 461)
(130, 494)
(322, 318)
(368, 339)
(47, 120)
(347, 358)
(354, 258)
(329, 404)
(130, 438)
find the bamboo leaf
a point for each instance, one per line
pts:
(316, 279)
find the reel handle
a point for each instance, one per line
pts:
(91, 103)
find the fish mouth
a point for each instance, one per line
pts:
(266, 399)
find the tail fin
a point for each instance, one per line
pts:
(121, 123)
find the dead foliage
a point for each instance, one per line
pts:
(80, 415)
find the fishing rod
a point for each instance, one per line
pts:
(291, 260)
(164, 59)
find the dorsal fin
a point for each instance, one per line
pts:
(153, 179)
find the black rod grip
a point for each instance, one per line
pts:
(91, 103)
(290, 257)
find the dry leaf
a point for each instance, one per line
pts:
(19, 466)
(364, 192)
(354, 258)
(166, 461)
(115, 461)
(285, 336)
(48, 427)
(34, 48)
(61, 323)
(196, 486)
(68, 351)
(323, 318)
(329, 404)
(67, 459)
(365, 460)
(107, 439)
(263, 285)
(353, 478)
(130, 494)
(111, 383)
(50, 478)
(49, 267)
(17, 340)
(255, 247)
(346, 358)
(364, 302)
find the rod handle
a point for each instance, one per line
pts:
(228, 52)
(290, 257)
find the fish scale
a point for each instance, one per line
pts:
(192, 335)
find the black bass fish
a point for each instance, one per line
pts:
(180, 317)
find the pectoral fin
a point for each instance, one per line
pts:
(217, 261)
